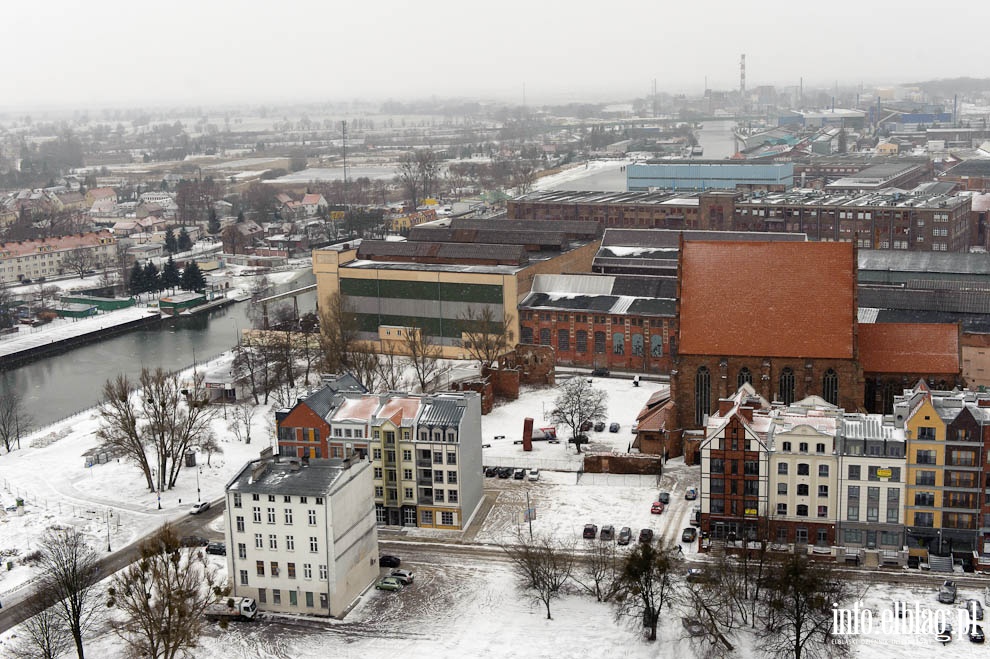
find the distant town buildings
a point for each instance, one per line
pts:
(34, 259)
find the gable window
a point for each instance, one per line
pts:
(745, 376)
(702, 395)
(785, 386)
(830, 387)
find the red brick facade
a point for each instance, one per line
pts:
(304, 433)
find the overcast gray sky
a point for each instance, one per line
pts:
(103, 52)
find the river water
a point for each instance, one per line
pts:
(58, 386)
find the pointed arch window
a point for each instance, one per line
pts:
(785, 389)
(830, 387)
(745, 375)
(702, 394)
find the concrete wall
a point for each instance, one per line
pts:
(351, 523)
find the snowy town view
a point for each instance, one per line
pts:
(557, 350)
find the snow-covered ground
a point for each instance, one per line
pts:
(591, 168)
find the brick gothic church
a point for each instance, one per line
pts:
(783, 317)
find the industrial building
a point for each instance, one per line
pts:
(709, 175)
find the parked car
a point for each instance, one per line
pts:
(389, 561)
(586, 426)
(625, 535)
(193, 541)
(216, 548)
(519, 474)
(613, 427)
(491, 471)
(590, 531)
(389, 583)
(504, 472)
(599, 426)
(534, 474)
(976, 634)
(646, 536)
(199, 507)
(696, 516)
(656, 508)
(691, 494)
(901, 608)
(694, 575)
(600, 372)
(690, 534)
(608, 533)
(578, 439)
(664, 498)
(947, 592)
(975, 609)
(405, 577)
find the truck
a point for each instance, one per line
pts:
(547, 433)
(232, 608)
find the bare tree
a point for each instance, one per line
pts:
(247, 367)
(338, 333)
(389, 365)
(486, 337)
(211, 446)
(69, 570)
(14, 419)
(797, 610)
(47, 294)
(423, 355)
(579, 401)
(363, 364)
(121, 425)
(408, 177)
(44, 634)
(544, 564)
(647, 584)
(79, 260)
(600, 572)
(164, 597)
(715, 606)
(244, 414)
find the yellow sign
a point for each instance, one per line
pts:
(751, 511)
(336, 215)
(884, 473)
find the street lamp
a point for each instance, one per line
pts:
(109, 515)
(198, 469)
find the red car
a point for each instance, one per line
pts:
(657, 508)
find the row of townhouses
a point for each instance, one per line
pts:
(864, 488)
(425, 450)
(48, 257)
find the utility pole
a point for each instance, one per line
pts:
(529, 515)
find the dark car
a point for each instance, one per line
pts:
(504, 472)
(613, 427)
(976, 634)
(600, 372)
(193, 541)
(625, 535)
(664, 498)
(608, 532)
(695, 575)
(599, 426)
(519, 474)
(590, 531)
(491, 471)
(216, 548)
(690, 534)
(578, 439)
(646, 536)
(975, 609)
(389, 561)
(586, 426)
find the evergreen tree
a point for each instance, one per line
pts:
(213, 227)
(152, 279)
(184, 241)
(171, 277)
(171, 246)
(240, 216)
(192, 278)
(135, 283)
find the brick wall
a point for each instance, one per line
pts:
(622, 463)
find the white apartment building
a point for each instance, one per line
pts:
(301, 537)
(48, 257)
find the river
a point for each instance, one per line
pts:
(56, 387)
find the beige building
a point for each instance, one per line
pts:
(47, 257)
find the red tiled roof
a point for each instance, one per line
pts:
(311, 199)
(768, 299)
(102, 193)
(72, 241)
(909, 348)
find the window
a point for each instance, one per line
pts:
(314, 544)
(407, 493)
(819, 448)
(786, 386)
(407, 474)
(751, 468)
(803, 447)
(702, 395)
(656, 345)
(890, 538)
(852, 504)
(787, 446)
(244, 577)
(275, 570)
(438, 496)
(823, 490)
(237, 500)
(452, 459)
(406, 455)
(263, 595)
(309, 599)
(276, 596)
(376, 453)
(256, 511)
(823, 470)
(378, 473)
(291, 570)
(288, 516)
(637, 345)
(581, 341)
(447, 518)
(240, 524)
(781, 508)
(452, 477)
(782, 468)
(853, 536)
(307, 570)
(926, 433)
(259, 541)
(924, 519)
(526, 335)
(271, 497)
(599, 343)
(302, 499)
(618, 343)
(259, 567)
(924, 498)
(563, 340)
(293, 598)
(745, 376)
(872, 504)
(803, 469)
(323, 573)
(717, 465)
(312, 517)
(544, 336)
(241, 550)
(802, 510)
(451, 496)
(830, 387)
(426, 517)
(271, 515)
(823, 511)
(273, 541)
(924, 478)
(781, 488)
(854, 472)
(437, 476)
(802, 489)
(438, 457)
(893, 505)
(717, 485)
(379, 491)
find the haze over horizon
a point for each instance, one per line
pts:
(115, 52)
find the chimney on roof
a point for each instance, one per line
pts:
(747, 412)
(258, 471)
(983, 402)
(725, 406)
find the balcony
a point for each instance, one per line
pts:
(424, 462)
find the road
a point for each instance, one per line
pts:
(16, 611)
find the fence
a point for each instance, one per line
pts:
(532, 462)
(618, 480)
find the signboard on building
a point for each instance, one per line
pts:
(884, 473)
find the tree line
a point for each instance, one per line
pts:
(149, 279)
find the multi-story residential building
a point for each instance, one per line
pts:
(925, 433)
(425, 450)
(46, 257)
(871, 486)
(301, 536)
